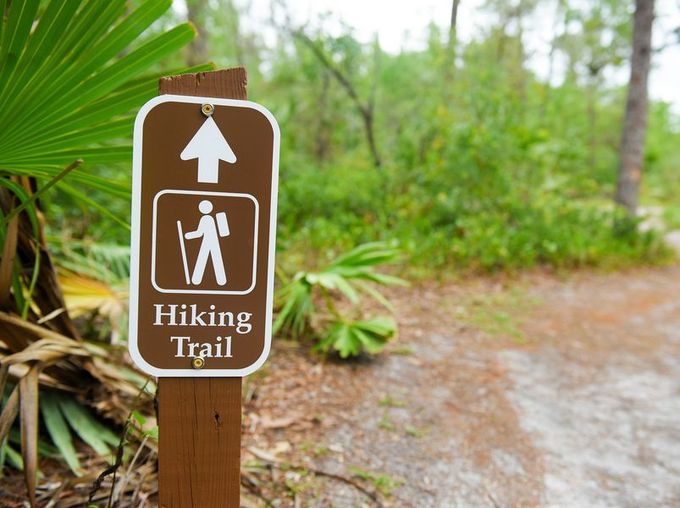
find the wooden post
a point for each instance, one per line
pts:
(199, 450)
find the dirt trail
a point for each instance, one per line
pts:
(548, 393)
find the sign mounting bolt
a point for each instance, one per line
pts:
(198, 362)
(207, 109)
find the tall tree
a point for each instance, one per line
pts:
(197, 52)
(601, 42)
(635, 123)
(453, 37)
(366, 109)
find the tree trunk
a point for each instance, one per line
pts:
(591, 100)
(561, 18)
(635, 123)
(367, 117)
(452, 44)
(453, 38)
(197, 52)
(322, 137)
(364, 110)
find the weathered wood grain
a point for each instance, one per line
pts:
(200, 418)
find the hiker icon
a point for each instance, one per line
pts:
(210, 229)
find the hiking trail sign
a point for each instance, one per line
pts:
(205, 175)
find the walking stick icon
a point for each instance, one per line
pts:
(185, 265)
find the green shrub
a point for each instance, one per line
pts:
(306, 304)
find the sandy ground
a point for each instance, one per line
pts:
(541, 392)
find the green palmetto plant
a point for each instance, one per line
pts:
(72, 74)
(349, 275)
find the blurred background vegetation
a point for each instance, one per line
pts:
(457, 154)
(459, 151)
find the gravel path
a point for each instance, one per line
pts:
(569, 401)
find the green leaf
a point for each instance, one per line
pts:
(123, 100)
(368, 254)
(350, 339)
(87, 427)
(72, 79)
(384, 326)
(124, 33)
(30, 202)
(139, 418)
(14, 457)
(108, 47)
(3, 454)
(20, 193)
(81, 197)
(297, 311)
(9, 413)
(111, 130)
(152, 432)
(58, 70)
(19, 23)
(57, 15)
(375, 294)
(342, 340)
(371, 342)
(58, 430)
(116, 74)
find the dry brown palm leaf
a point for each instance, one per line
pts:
(76, 364)
(53, 360)
(9, 413)
(31, 292)
(28, 394)
(7, 261)
(96, 76)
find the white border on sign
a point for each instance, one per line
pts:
(135, 244)
(203, 291)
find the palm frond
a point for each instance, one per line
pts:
(349, 275)
(71, 75)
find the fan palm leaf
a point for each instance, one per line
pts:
(72, 74)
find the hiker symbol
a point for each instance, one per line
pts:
(212, 247)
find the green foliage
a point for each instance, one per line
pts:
(64, 415)
(65, 89)
(351, 338)
(349, 276)
(72, 76)
(486, 167)
(64, 418)
(59, 431)
(106, 262)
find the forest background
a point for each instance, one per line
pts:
(459, 152)
(459, 157)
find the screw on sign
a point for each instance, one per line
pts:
(205, 175)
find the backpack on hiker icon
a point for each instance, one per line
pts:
(222, 224)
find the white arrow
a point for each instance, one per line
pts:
(209, 147)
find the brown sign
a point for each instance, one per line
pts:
(205, 176)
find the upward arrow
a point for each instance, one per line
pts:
(209, 147)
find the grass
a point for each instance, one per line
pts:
(389, 401)
(499, 314)
(383, 483)
(413, 431)
(386, 423)
(403, 351)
